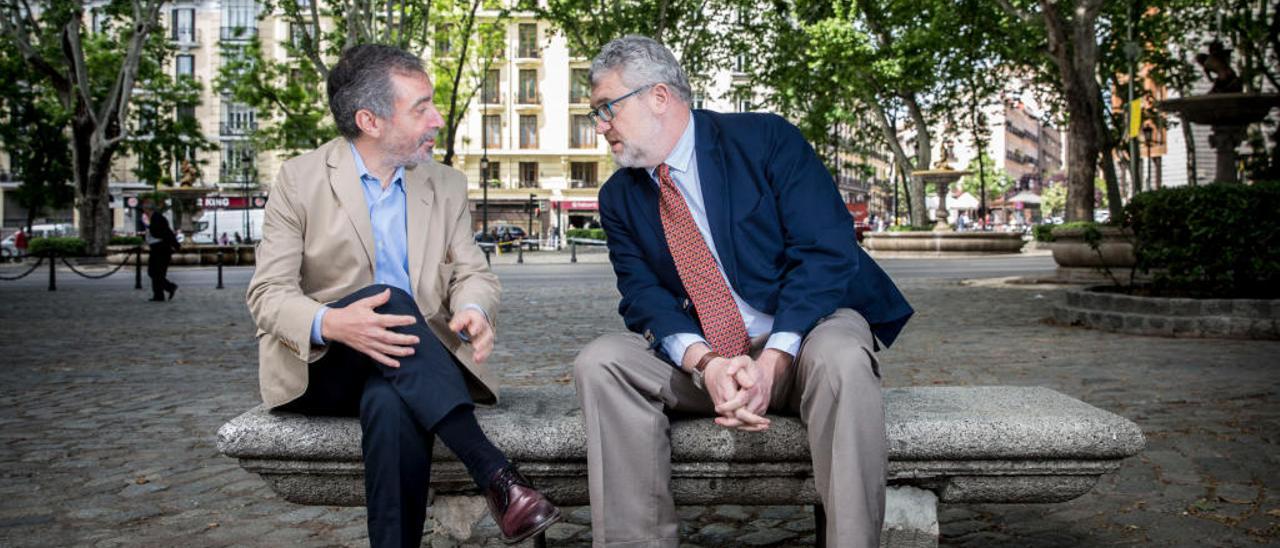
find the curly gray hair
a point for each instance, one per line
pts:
(641, 61)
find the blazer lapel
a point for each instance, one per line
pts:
(346, 186)
(715, 192)
(418, 194)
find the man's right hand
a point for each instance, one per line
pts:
(368, 332)
(731, 384)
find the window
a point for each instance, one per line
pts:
(238, 162)
(490, 87)
(698, 101)
(444, 46)
(238, 119)
(742, 101)
(579, 86)
(186, 112)
(494, 170)
(239, 19)
(493, 130)
(183, 27)
(298, 38)
(584, 132)
(583, 174)
(528, 40)
(185, 65)
(528, 131)
(528, 174)
(528, 86)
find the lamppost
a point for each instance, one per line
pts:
(244, 185)
(532, 198)
(1147, 133)
(484, 159)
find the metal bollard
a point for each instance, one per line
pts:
(219, 269)
(137, 270)
(486, 257)
(53, 281)
(573, 252)
(519, 254)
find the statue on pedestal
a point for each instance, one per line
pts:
(1217, 67)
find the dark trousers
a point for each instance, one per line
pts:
(158, 269)
(398, 410)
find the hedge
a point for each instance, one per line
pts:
(586, 233)
(1217, 240)
(63, 247)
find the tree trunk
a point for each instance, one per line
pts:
(1082, 156)
(1072, 44)
(924, 152)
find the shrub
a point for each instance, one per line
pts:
(586, 233)
(1043, 233)
(126, 240)
(63, 247)
(910, 228)
(1219, 240)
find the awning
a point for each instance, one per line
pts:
(1026, 197)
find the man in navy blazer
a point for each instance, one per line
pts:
(744, 290)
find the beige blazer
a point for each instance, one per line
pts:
(317, 247)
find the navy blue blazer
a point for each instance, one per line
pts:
(784, 236)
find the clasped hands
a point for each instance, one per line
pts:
(368, 332)
(741, 387)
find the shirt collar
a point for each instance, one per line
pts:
(682, 155)
(397, 178)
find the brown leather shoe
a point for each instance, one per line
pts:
(519, 510)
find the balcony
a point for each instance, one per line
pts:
(238, 34)
(575, 183)
(491, 99)
(527, 99)
(241, 129)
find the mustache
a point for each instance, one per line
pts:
(429, 136)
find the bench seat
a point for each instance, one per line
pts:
(1009, 444)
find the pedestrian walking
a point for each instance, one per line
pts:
(162, 242)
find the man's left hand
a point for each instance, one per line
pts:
(771, 366)
(473, 323)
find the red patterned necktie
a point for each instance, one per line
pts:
(717, 312)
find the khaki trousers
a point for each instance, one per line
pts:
(626, 391)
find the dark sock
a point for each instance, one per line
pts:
(462, 434)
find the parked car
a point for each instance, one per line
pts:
(501, 233)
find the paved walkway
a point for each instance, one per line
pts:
(109, 404)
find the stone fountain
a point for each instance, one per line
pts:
(943, 175)
(1226, 108)
(942, 240)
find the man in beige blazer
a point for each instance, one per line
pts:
(372, 299)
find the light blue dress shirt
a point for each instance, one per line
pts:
(390, 234)
(684, 172)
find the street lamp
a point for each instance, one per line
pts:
(484, 158)
(484, 184)
(1147, 133)
(532, 197)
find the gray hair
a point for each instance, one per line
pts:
(362, 80)
(641, 61)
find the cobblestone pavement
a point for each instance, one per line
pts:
(109, 404)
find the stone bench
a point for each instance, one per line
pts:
(999, 444)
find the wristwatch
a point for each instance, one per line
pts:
(702, 365)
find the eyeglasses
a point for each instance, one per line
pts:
(604, 113)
